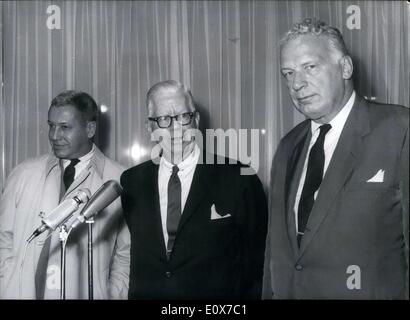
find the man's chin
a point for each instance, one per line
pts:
(177, 151)
(60, 154)
(310, 111)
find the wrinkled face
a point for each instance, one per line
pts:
(69, 133)
(316, 75)
(176, 141)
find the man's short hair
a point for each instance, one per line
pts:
(170, 84)
(318, 28)
(82, 101)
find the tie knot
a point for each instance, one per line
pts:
(73, 162)
(175, 170)
(69, 173)
(324, 129)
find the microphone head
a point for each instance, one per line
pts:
(62, 212)
(104, 196)
(83, 195)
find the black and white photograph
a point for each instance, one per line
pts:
(206, 155)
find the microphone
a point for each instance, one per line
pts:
(104, 196)
(62, 212)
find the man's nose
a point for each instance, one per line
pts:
(299, 81)
(176, 128)
(54, 133)
(176, 125)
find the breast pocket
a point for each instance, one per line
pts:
(369, 186)
(369, 203)
(221, 222)
(220, 215)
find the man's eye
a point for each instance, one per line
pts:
(185, 116)
(310, 67)
(287, 74)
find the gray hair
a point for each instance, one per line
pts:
(82, 101)
(318, 28)
(170, 84)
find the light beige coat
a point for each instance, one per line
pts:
(34, 187)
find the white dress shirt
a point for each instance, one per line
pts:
(80, 166)
(330, 143)
(185, 175)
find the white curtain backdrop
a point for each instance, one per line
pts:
(225, 51)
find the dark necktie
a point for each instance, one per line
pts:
(69, 173)
(41, 271)
(314, 175)
(173, 208)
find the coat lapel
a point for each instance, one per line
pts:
(96, 164)
(340, 168)
(77, 182)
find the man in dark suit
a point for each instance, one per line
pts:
(338, 224)
(197, 230)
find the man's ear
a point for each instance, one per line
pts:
(347, 67)
(148, 126)
(196, 119)
(91, 129)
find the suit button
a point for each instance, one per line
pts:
(168, 274)
(298, 267)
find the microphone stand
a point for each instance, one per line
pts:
(90, 223)
(63, 241)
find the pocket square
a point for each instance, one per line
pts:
(378, 177)
(215, 215)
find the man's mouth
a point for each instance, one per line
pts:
(59, 146)
(305, 99)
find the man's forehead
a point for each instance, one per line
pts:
(305, 46)
(167, 101)
(166, 94)
(64, 113)
(311, 39)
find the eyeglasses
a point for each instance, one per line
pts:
(165, 121)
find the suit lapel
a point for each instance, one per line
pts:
(199, 188)
(295, 159)
(293, 173)
(340, 168)
(152, 207)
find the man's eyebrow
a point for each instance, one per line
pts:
(158, 116)
(51, 122)
(309, 62)
(285, 69)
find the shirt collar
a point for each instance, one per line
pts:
(339, 120)
(188, 162)
(97, 159)
(84, 158)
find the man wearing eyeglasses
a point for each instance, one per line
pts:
(197, 230)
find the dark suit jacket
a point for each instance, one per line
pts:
(353, 222)
(211, 258)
